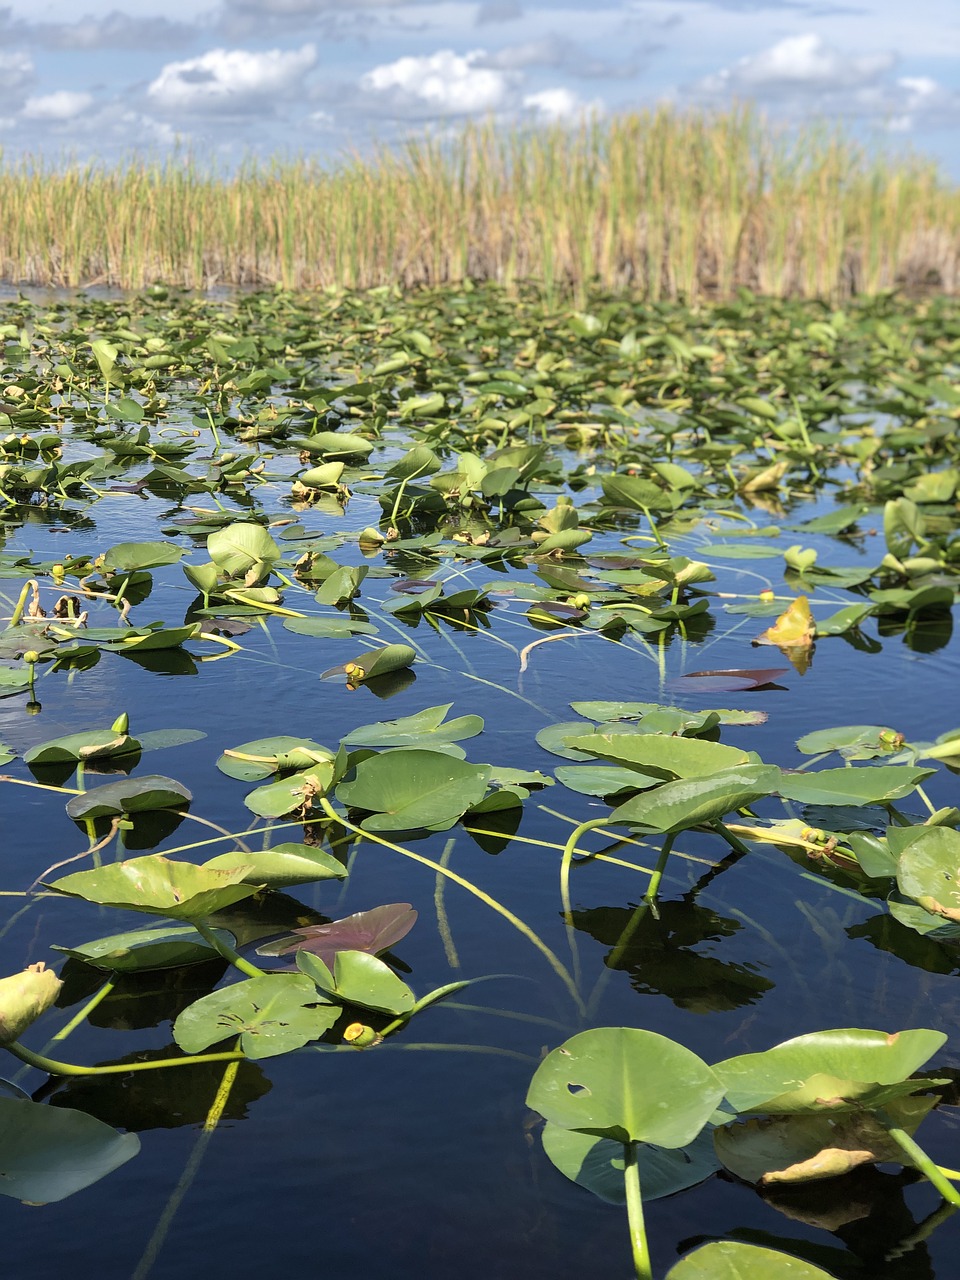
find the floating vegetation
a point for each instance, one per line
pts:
(554, 540)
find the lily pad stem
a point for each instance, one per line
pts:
(918, 1158)
(54, 1068)
(521, 926)
(638, 1234)
(228, 952)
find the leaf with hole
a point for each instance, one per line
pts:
(628, 1085)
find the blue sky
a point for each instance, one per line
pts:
(328, 77)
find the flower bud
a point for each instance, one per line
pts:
(361, 1036)
(23, 997)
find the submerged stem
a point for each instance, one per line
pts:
(552, 959)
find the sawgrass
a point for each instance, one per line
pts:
(666, 204)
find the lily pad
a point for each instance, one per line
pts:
(48, 1153)
(129, 795)
(372, 931)
(145, 949)
(282, 866)
(404, 789)
(274, 1014)
(358, 978)
(689, 802)
(597, 1164)
(730, 1260)
(628, 1085)
(159, 886)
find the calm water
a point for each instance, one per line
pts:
(420, 1159)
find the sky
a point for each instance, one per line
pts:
(107, 79)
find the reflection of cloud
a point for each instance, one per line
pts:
(59, 106)
(799, 64)
(444, 83)
(227, 81)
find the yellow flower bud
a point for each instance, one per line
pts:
(23, 997)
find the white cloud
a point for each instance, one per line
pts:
(799, 64)
(445, 83)
(17, 75)
(64, 104)
(554, 105)
(227, 81)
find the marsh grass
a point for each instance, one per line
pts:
(666, 204)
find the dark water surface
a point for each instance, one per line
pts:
(423, 1161)
(419, 1160)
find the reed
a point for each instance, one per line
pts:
(666, 204)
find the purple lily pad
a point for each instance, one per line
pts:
(371, 931)
(733, 681)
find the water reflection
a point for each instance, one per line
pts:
(662, 957)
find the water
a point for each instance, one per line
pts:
(419, 1159)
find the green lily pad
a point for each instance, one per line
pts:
(274, 1014)
(130, 557)
(252, 761)
(282, 866)
(928, 870)
(880, 784)
(665, 757)
(597, 1164)
(129, 795)
(141, 950)
(408, 788)
(730, 1260)
(427, 727)
(293, 793)
(358, 978)
(48, 1153)
(688, 802)
(96, 744)
(243, 550)
(843, 1070)
(159, 886)
(628, 1085)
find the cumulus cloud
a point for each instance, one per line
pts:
(918, 100)
(498, 11)
(57, 107)
(443, 83)
(17, 77)
(559, 53)
(553, 106)
(230, 81)
(799, 64)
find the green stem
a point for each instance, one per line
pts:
(54, 1068)
(733, 841)
(653, 888)
(638, 1234)
(553, 960)
(918, 1158)
(228, 952)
